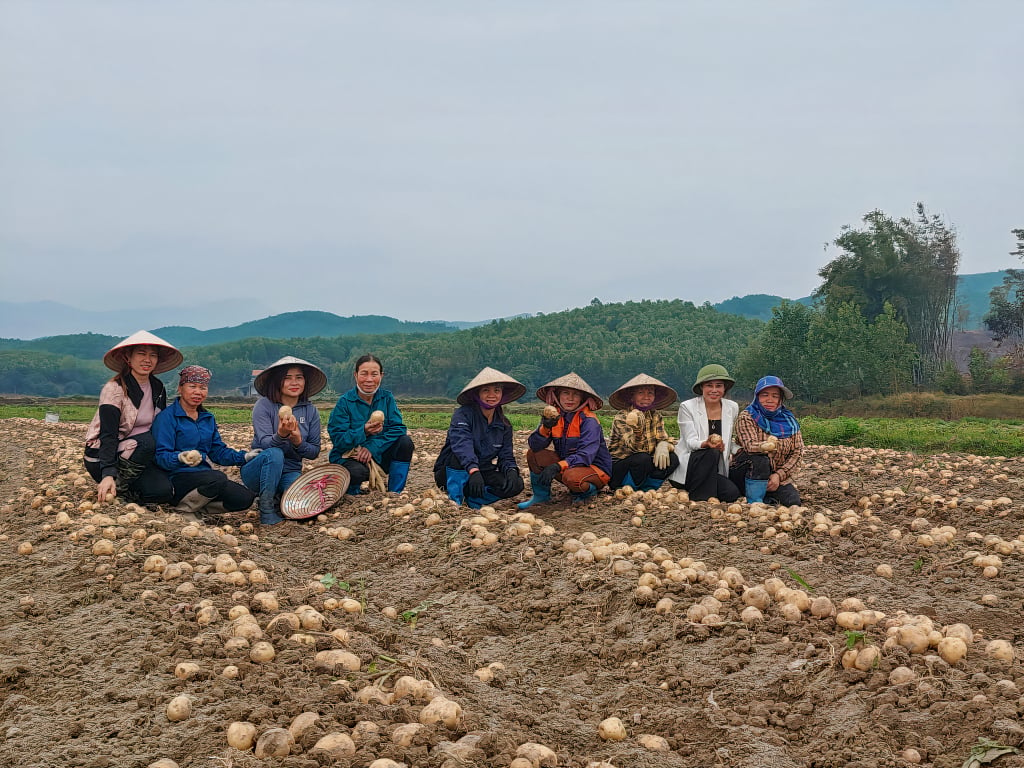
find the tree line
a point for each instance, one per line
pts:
(881, 322)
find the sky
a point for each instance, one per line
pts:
(472, 160)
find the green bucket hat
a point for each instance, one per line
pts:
(713, 372)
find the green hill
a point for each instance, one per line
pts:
(756, 305)
(293, 324)
(606, 344)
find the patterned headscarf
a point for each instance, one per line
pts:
(194, 374)
(781, 422)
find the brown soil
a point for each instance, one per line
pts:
(89, 643)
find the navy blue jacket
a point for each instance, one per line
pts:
(175, 431)
(475, 443)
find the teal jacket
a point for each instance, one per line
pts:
(350, 414)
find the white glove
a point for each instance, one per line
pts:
(190, 458)
(661, 455)
(250, 455)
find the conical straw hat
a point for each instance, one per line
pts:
(315, 492)
(664, 395)
(316, 379)
(511, 389)
(570, 381)
(168, 355)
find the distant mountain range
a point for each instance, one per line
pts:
(37, 320)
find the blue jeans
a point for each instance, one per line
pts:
(266, 477)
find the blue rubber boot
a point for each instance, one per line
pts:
(541, 493)
(475, 502)
(398, 473)
(650, 484)
(629, 481)
(581, 497)
(755, 489)
(455, 481)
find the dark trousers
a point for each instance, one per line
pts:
(703, 479)
(640, 466)
(153, 486)
(494, 479)
(213, 484)
(400, 450)
(758, 466)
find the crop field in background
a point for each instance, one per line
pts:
(982, 436)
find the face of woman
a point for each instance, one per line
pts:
(569, 399)
(294, 382)
(643, 397)
(713, 390)
(368, 376)
(770, 398)
(193, 393)
(490, 395)
(142, 360)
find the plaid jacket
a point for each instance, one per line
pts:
(649, 431)
(785, 459)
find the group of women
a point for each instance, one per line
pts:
(721, 453)
(140, 448)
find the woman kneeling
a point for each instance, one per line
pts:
(705, 438)
(578, 456)
(286, 426)
(367, 430)
(476, 464)
(187, 439)
(641, 449)
(771, 446)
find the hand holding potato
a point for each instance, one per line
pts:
(375, 424)
(633, 418)
(107, 489)
(190, 458)
(549, 416)
(770, 445)
(288, 427)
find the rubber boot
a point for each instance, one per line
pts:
(540, 493)
(475, 502)
(629, 481)
(398, 473)
(128, 472)
(756, 489)
(578, 498)
(455, 481)
(650, 484)
(191, 504)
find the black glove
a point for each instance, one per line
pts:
(474, 485)
(548, 423)
(549, 473)
(512, 474)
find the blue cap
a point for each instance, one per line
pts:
(773, 381)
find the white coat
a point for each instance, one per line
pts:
(693, 430)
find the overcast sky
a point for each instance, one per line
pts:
(469, 160)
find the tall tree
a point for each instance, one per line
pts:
(908, 263)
